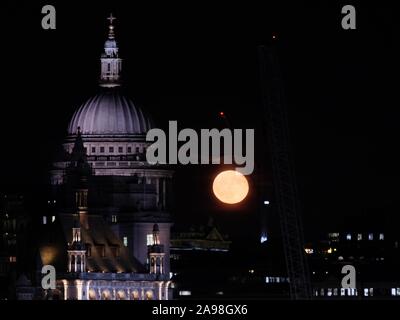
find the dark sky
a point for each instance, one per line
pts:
(188, 62)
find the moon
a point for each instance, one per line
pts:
(230, 186)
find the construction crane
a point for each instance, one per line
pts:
(284, 182)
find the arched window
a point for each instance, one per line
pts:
(106, 295)
(149, 295)
(135, 295)
(92, 294)
(121, 295)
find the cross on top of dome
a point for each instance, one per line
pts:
(111, 18)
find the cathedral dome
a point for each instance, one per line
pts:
(110, 113)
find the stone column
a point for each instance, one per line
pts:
(69, 262)
(164, 192)
(166, 290)
(65, 283)
(160, 290)
(158, 192)
(83, 268)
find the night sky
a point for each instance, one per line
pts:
(187, 63)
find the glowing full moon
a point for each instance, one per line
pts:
(230, 186)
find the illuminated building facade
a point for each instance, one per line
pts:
(14, 222)
(372, 252)
(109, 236)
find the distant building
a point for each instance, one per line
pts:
(204, 239)
(14, 222)
(374, 255)
(197, 253)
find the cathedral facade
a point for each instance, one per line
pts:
(109, 236)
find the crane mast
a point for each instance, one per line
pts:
(284, 181)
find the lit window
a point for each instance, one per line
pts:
(125, 241)
(44, 220)
(342, 292)
(53, 218)
(398, 291)
(366, 291)
(185, 293)
(120, 149)
(359, 237)
(101, 149)
(381, 236)
(114, 218)
(334, 236)
(129, 150)
(149, 295)
(393, 291)
(93, 149)
(371, 236)
(111, 149)
(150, 239)
(348, 236)
(13, 259)
(309, 251)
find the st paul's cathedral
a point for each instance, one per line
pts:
(109, 235)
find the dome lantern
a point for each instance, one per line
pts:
(111, 64)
